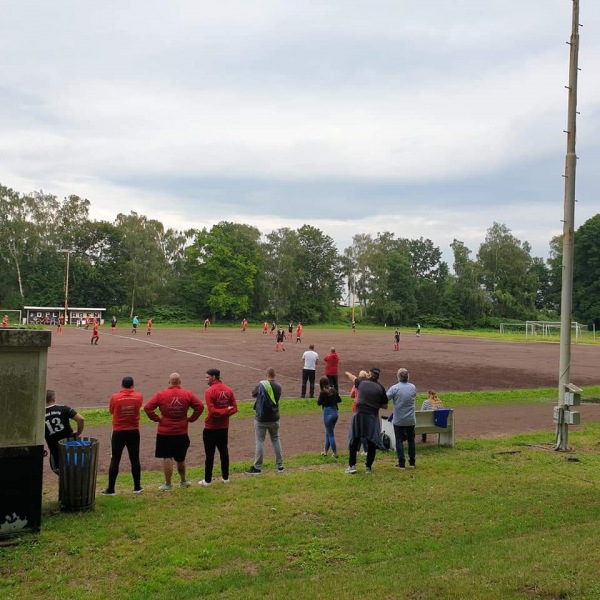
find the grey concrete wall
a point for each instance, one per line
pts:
(23, 365)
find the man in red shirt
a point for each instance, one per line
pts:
(172, 440)
(220, 404)
(95, 335)
(332, 361)
(125, 408)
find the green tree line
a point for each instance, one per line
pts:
(232, 271)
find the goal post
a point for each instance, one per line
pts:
(14, 316)
(550, 329)
(512, 327)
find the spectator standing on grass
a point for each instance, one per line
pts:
(432, 402)
(172, 439)
(332, 362)
(58, 426)
(354, 395)
(403, 395)
(365, 422)
(310, 358)
(329, 400)
(220, 405)
(267, 394)
(125, 408)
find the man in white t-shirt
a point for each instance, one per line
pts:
(310, 358)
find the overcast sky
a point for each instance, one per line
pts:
(428, 118)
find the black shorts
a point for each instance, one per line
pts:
(172, 446)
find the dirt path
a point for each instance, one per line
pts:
(305, 434)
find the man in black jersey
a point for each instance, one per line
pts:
(58, 426)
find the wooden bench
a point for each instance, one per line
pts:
(424, 424)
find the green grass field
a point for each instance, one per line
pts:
(490, 519)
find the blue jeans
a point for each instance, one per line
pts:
(330, 417)
(260, 431)
(405, 433)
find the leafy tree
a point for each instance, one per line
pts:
(222, 268)
(505, 264)
(318, 270)
(143, 262)
(586, 275)
(466, 298)
(541, 273)
(554, 274)
(280, 280)
(25, 232)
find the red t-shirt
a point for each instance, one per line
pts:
(174, 404)
(332, 360)
(125, 409)
(221, 404)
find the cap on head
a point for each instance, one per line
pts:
(127, 382)
(214, 373)
(375, 372)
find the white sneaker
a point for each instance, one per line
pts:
(138, 491)
(225, 480)
(205, 483)
(351, 470)
(363, 453)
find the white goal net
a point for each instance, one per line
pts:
(549, 329)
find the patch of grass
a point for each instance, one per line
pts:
(305, 406)
(490, 519)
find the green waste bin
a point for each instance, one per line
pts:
(77, 474)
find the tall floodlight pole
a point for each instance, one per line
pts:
(566, 303)
(68, 253)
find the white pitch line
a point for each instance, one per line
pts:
(229, 362)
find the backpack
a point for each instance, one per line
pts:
(266, 407)
(386, 441)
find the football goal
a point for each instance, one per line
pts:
(549, 329)
(512, 327)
